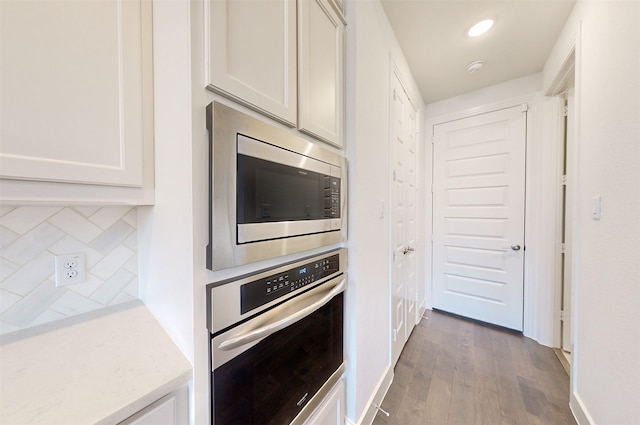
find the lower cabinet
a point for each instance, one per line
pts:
(172, 409)
(331, 412)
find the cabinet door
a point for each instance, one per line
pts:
(74, 107)
(321, 71)
(331, 411)
(252, 56)
(172, 409)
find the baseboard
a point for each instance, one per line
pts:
(564, 361)
(579, 411)
(370, 411)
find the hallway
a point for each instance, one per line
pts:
(454, 371)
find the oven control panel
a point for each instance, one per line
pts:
(262, 291)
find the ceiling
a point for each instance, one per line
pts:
(433, 37)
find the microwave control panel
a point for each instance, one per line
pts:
(262, 291)
(331, 197)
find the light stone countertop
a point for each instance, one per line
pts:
(97, 369)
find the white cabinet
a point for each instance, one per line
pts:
(76, 104)
(331, 411)
(320, 71)
(172, 409)
(282, 58)
(252, 56)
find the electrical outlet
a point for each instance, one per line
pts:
(70, 268)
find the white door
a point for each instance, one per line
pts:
(478, 216)
(403, 217)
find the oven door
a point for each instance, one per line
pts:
(276, 368)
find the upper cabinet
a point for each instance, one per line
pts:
(253, 54)
(76, 105)
(321, 71)
(282, 58)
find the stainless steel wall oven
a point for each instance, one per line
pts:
(277, 341)
(272, 193)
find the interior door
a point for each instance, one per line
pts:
(403, 217)
(478, 216)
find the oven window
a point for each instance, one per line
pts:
(272, 192)
(272, 381)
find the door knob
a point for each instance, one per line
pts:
(515, 247)
(408, 249)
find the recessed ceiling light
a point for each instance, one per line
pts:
(480, 28)
(474, 66)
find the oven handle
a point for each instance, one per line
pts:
(270, 328)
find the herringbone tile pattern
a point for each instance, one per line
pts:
(30, 238)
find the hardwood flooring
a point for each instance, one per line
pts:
(454, 371)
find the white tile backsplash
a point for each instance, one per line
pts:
(131, 218)
(23, 219)
(112, 262)
(132, 265)
(6, 209)
(46, 317)
(71, 303)
(86, 211)
(30, 237)
(28, 246)
(7, 236)
(33, 304)
(112, 287)
(87, 287)
(75, 225)
(7, 268)
(7, 299)
(28, 277)
(107, 217)
(112, 237)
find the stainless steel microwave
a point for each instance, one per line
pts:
(272, 193)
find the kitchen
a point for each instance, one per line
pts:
(172, 234)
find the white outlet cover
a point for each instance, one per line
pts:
(66, 265)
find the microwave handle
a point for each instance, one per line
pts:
(270, 328)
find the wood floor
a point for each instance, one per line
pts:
(458, 372)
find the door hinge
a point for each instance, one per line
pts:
(432, 188)
(563, 248)
(562, 315)
(524, 107)
(395, 335)
(395, 97)
(564, 180)
(395, 175)
(565, 111)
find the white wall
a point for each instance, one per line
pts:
(167, 229)
(479, 99)
(370, 45)
(605, 370)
